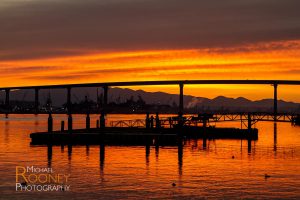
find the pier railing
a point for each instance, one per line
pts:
(128, 123)
(194, 120)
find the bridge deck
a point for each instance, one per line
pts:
(171, 82)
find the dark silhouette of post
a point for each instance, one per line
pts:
(62, 126)
(70, 123)
(102, 120)
(180, 99)
(249, 122)
(147, 121)
(7, 100)
(36, 100)
(88, 121)
(151, 121)
(50, 123)
(157, 121)
(275, 102)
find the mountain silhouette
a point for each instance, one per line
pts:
(120, 95)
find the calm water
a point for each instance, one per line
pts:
(128, 172)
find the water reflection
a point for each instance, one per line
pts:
(49, 155)
(36, 123)
(156, 152)
(69, 153)
(6, 131)
(102, 158)
(180, 156)
(249, 146)
(224, 177)
(87, 151)
(204, 143)
(147, 148)
(275, 138)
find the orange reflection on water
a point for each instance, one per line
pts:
(198, 168)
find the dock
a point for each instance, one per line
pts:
(139, 136)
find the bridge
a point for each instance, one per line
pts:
(180, 83)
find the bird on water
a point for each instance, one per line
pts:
(267, 176)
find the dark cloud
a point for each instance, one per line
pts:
(30, 69)
(39, 28)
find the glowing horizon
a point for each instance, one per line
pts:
(253, 62)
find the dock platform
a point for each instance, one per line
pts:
(142, 136)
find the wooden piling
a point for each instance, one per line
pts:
(102, 120)
(157, 122)
(97, 123)
(50, 123)
(87, 121)
(70, 123)
(147, 121)
(249, 122)
(62, 126)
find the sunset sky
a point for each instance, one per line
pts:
(70, 41)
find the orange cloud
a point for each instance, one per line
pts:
(278, 60)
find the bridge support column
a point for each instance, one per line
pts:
(7, 91)
(36, 101)
(104, 109)
(275, 102)
(69, 102)
(180, 99)
(105, 96)
(69, 107)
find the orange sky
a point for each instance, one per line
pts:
(59, 42)
(276, 60)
